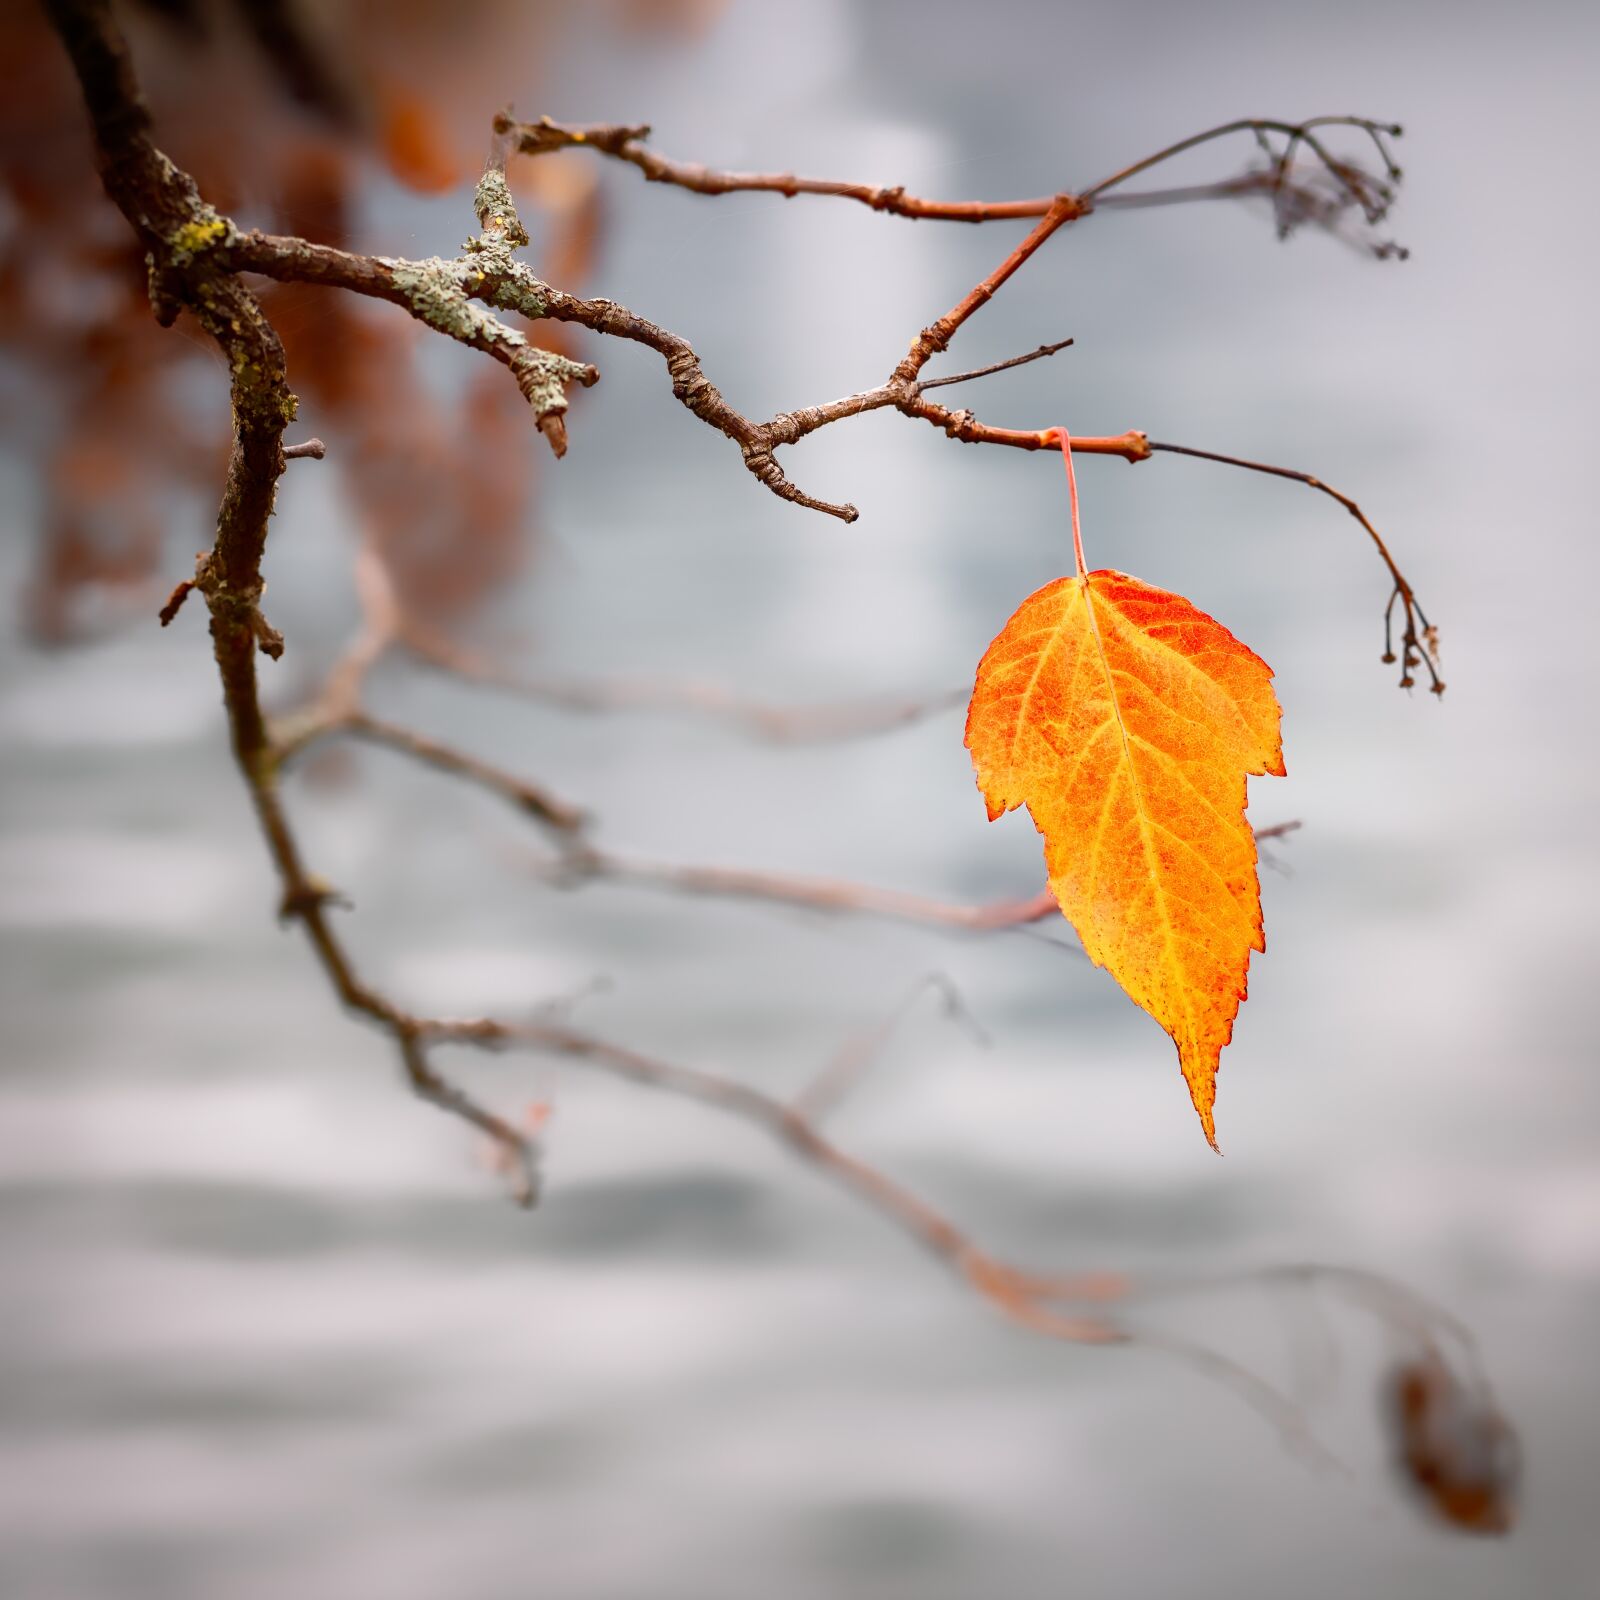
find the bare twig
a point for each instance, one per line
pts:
(776, 724)
(557, 815)
(1278, 830)
(580, 863)
(1024, 1296)
(833, 895)
(627, 144)
(998, 366)
(1420, 643)
(1295, 133)
(846, 1070)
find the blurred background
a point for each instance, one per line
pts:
(271, 1326)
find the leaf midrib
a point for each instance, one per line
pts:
(1138, 800)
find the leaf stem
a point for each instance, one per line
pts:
(1060, 436)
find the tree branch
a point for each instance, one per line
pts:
(195, 256)
(627, 144)
(1352, 184)
(178, 229)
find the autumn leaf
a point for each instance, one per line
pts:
(1127, 720)
(416, 142)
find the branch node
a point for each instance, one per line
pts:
(308, 897)
(240, 607)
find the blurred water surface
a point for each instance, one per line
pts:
(270, 1329)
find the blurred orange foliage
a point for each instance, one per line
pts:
(286, 117)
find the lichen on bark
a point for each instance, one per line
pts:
(542, 375)
(436, 290)
(497, 211)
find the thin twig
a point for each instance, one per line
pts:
(999, 366)
(1300, 132)
(844, 1072)
(581, 862)
(557, 815)
(1421, 645)
(777, 724)
(624, 143)
(834, 895)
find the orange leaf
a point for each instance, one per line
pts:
(416, 142)
(1126, 721)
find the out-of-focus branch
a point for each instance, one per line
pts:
(166, 211)
(1335, 187)
(560, 817)
(1420, 640)
(577, 860)
(773, 723)
(594, 865)
(1073, 1308)
(840, 1077)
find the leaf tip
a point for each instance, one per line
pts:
(1201, 1077)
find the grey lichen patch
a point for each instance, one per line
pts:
(497, 213)
(440, 293)
(518, 290)
(437, 291)
(543, 376)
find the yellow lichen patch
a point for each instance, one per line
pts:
(194, 237)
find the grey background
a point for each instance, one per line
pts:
(269, 1328)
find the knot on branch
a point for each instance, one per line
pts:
(690, 385)
(759, 459)
(936, 337)
(790, 427)
(962, 425)
(231, 606)
(307, 898)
